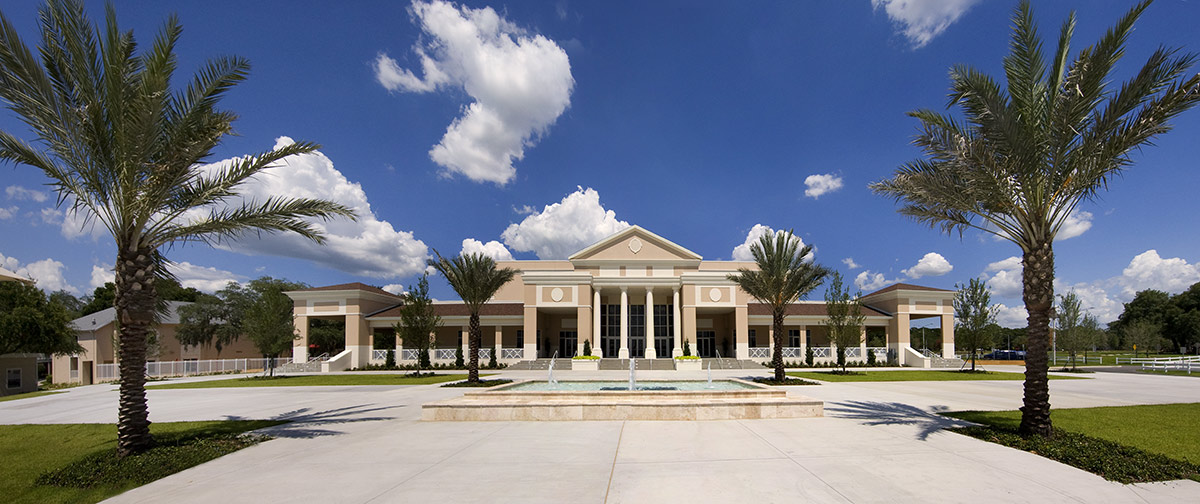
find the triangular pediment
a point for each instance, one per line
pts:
(635, 244)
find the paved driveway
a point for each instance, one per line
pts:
(880, 442)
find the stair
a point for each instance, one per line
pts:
(642, 364)
(540, 365)
(943, 363)
(300, 367)
(729, 363)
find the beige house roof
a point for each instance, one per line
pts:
(904, 286)
(8, 276)
(806, 309)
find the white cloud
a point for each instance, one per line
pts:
(47, 273)
(563, 228)
(397, 289)
(923, 20)
(1149, 271)
(1006, 280)
(1093, 299)
(1076, 224)
(742, 252)
(20, 194)
(521, 83)
(868, 281)
(8, 213)
(367, 247)
(102, 275)
(204, 278)
(1011, 316)
(849, 262)
(494, 249)
(933, 264)
(821, 184)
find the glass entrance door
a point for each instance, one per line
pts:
(610, 330)
(706, 343)
(637, 331)
(566, 343)
(664, 331)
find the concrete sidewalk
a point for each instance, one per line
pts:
(880, 442)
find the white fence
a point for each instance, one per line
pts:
(1165, 364)
(408, 354)
(111, 372)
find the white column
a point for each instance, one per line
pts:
(803, 342)
(624, 353)
(499, 343)
(650, 352)
(862, 345)
(466, 343)
(596, 323)
(677, 323)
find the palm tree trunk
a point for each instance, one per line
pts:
(777, 354)
(1038, 277)
(473, 347)
(135, 304)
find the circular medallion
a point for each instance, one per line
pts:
(556, 294)
(714, 294)
(635, 245)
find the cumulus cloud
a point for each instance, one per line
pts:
(1093, 299)
(494, 249)
(203, 278)
(849, 262)
(1150, 271)
(933, 264)
(102, 275)
(397, 289)
(920, 21)
(7, 213)
(1011, 316)
(520, 82)
(742, 252)
(367, 247)
(22, 194)
(1005, 277)
(1076, 224)
(47, 273)
(563, 228)
(868, 281)
(821, 184)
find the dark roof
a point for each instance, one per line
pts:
(459, 310)
(904, 286)
(812, 309)
(350, 286)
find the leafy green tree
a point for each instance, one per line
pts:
(1144, 336)
(1072, 336)
(1027, 154)
(845, 317)
(1148, 306)
(782, 276)
(210, 320)
(31, 323)
(419, 322)
(69, 302)
(476, 279)
(326, 336)
(124, 150)
(974, 314)
(258, 310)
(1182, 320)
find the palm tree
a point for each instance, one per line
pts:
(783, 276)
(1026, 156)
(123, 149)
(476, 279)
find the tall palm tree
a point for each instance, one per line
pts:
(1026, 156)
(783, 276)
(123, 148)
(476, 279)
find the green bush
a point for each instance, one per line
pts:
(492, 359)
(458, 357)
(587, 348)
(586, 357)
(788, 380)
(808, 356)
(687, 349)
(870, 357)
(688, 357)
(480, 383)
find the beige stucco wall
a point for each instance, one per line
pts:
(26, 365)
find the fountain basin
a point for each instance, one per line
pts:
(655, 400)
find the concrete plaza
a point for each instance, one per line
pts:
(879, 442)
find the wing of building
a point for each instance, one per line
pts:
(632, 295)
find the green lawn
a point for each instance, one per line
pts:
(915, 375)
(28, 395)
(1195, 372)
(31, 450)
(1167, 429)
(316, 381)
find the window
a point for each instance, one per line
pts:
(794, 338)
(520, 338)
(14, 378)
(664, 321)
(459, 338)
(637, 321)
(753, 338)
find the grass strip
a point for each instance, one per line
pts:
(787, 381)
(915, 375)
(28, 395)
(77, 462)
(322, 380)
(478, 384)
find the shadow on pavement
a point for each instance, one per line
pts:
(305, 423)
(879, 413)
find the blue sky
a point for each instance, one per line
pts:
(532, 129)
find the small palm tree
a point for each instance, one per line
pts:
(1026, 156)
(476, 279)
(125, 148)
(782, 277)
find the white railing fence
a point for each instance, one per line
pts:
(512, 353)
(379, 355)
(445, 353)
(110, 372)
(408, 354)
(1164, 364)
(880, 353)
(760, 352)
(792, 352)
(819, 352)
(854, 352)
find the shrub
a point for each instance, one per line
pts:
(687, 349)
(587, 348)
(586, 357)
(492, 359)
(688, 357)
(458, 357)
(391, 359)
(808, 356)
(480, 383)
(870, 357)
